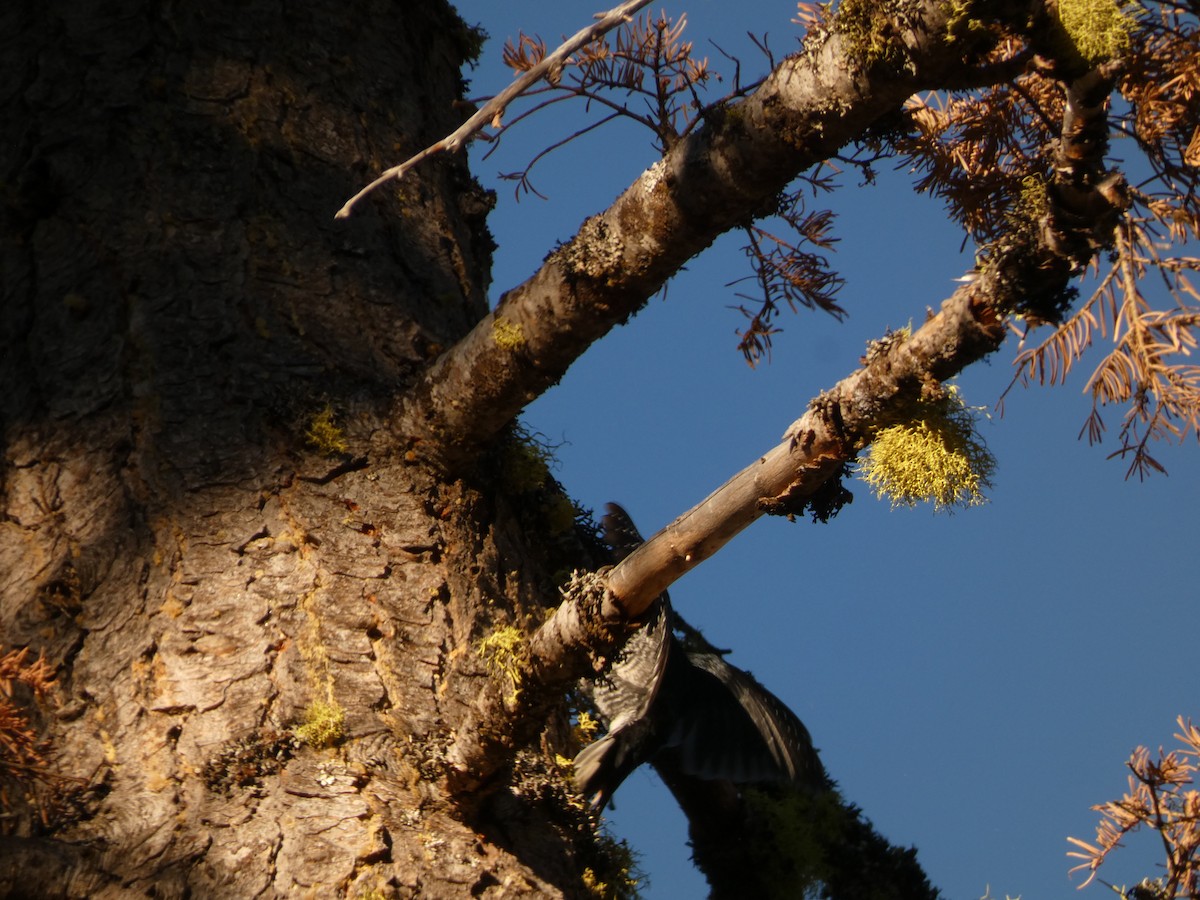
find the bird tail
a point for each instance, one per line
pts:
(600, 768)
(619, 531)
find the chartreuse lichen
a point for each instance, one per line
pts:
(504, 653)
(935, 456)
(324, 724)
(507, 335)
(619, 876)
(322, 434)
(1100, 30)
(586, 727)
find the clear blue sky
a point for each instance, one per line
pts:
(974, 682)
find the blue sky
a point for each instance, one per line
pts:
(974, 682)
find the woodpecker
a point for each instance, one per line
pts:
(664, 691)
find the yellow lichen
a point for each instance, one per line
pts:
(564, 762)
(586, 727)
(322, 434)
(1033, 202)
(937, 457)
(1099, 29)
(593, 884)
(507, 335)
(619, 875)
(504, 653)
(324, 724)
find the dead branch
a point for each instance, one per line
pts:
(836, 425)
(493, 110)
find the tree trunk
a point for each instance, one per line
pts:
(264, 617)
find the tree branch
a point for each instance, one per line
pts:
(598, 608)
(715, 178)
(494, 108)
(837, 424)
(1034, 264)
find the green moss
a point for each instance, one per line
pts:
(936, 456)
(870, 33)
(1100, 30)
(801, 825)
(525, 463)
(560, 514)
(322, 434)
(817, 845)
(324, 724)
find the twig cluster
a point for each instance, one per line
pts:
(493, 112)
(1159, 798)
(24, 757)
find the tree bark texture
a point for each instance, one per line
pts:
(180, 538)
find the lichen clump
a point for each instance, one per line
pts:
(504, 653)
(508, 335)
(326, 437)
(586, 727)
(935, 457)
(871, 36)
(525, 463)
(1100, 29)
(618, 876)
(324, 724)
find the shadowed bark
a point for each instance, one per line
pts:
(199, 560)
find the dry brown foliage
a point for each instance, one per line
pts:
(988, 153)
(1158, 798)
(24, 759)
(643, 71)
(786, 273)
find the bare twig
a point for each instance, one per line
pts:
(494, 109)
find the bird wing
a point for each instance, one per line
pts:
(741, 731)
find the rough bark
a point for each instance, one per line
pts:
(179, 307)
